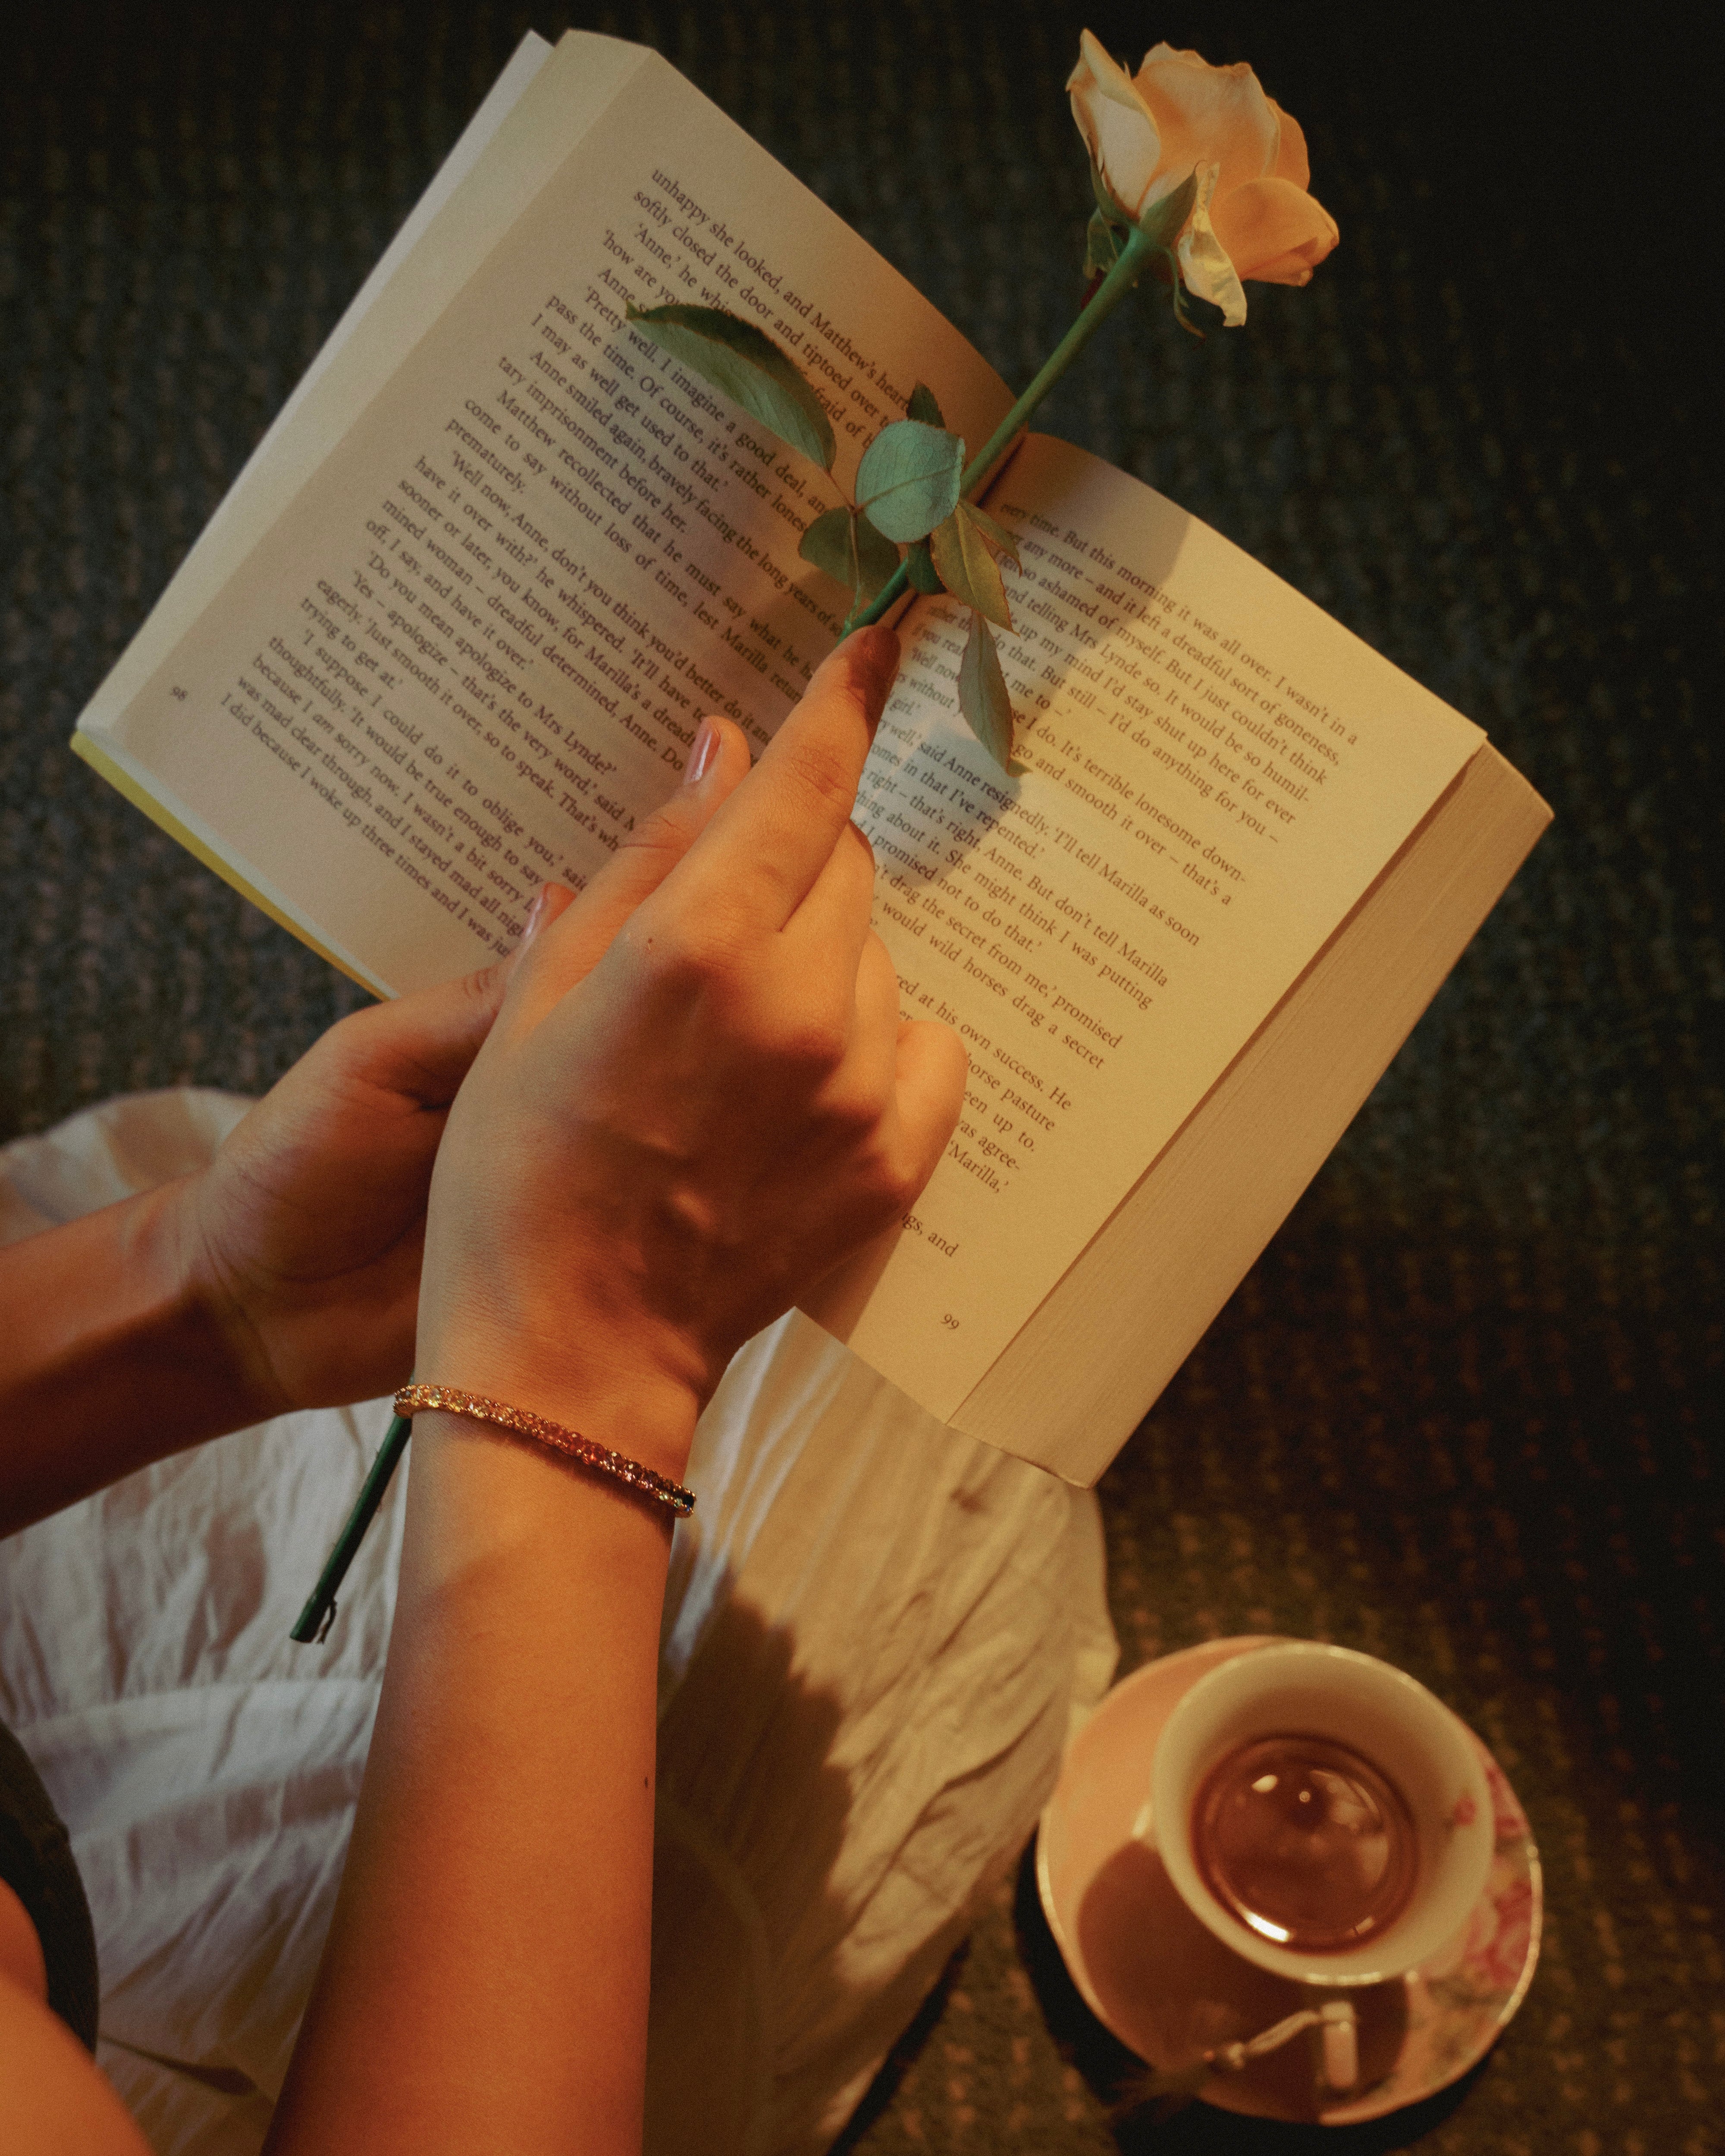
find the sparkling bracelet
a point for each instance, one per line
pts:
(413, 1399)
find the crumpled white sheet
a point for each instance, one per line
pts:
(878, 1636)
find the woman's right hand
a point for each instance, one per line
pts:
(698, 1096)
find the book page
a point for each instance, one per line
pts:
(475, 194)
(476, 646)
(1079, 1375)
(1217, 773)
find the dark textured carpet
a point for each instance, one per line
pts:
(1465, 1412)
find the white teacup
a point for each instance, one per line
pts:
(1385, 1717)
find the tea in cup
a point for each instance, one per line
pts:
(1321, 1813)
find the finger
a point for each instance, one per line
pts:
(422, 1045)
(829, 927)
(878, 1022)
(553, 903)
(865, 1083)
(765, 852)
(718, 763)
(932, 1065)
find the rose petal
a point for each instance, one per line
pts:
(1291, 162)
(1274, 231)
(1116, 123)
(1208, 115)
(1204, 266)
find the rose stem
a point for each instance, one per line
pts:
(1119, 280)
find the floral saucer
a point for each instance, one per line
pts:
(1166, 1986)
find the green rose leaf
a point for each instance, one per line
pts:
(828, 544)
(847, 548)
(996, 535)
(747, 367)
(923, 406)
(1101, 245)
(982, 697)
(1106, 204)
(909, 478)
(876, 559)
(921, 571)
(967, 566)
(1163, 221)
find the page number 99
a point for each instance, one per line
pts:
(949, 1321)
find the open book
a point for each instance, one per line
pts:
(453, 629)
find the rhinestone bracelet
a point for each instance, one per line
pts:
(413, 1399)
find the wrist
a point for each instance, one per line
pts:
(233, 1349)
(111, 1357)
(160, 1322)
(626, 1404)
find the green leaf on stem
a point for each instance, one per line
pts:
(828, 544)
(1102, 244)
(921, 571)
(982, 697)
(967, 565)
(1163, 221)
(844, 545)
(740, 363)
(923, 406)
(909, 478)
(996, 535)
(877, 558)
(1106, 202)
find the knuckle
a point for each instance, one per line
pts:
(679, 951)
(354, 1043)
(906, 1184)
(658, 836)
(889, 1181)
(855, 1119)
(813, 1043)
(484, 985)
(825, 776)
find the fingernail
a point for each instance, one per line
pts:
(536, 914)
(874, 654)
(706, 740)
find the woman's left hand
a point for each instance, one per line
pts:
(302, 1241)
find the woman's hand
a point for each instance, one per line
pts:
(302, 1241)
(285, 1274)
(697, 1098)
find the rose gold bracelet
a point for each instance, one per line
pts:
(412, 1399)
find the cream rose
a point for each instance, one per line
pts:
(1252, 216)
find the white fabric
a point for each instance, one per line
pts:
(877, 1637)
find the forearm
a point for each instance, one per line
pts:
(485, 1981)
(109, 1359)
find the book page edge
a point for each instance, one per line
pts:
(1083, 1463)
(102, 760)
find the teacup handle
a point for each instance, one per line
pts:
(1339, 2026)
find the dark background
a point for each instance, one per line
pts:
(1464, 1413)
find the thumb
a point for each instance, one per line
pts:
(422, 1045)
(568, 951)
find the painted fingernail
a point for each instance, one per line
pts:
(536, 914)
(706, 740)
(876, 655)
